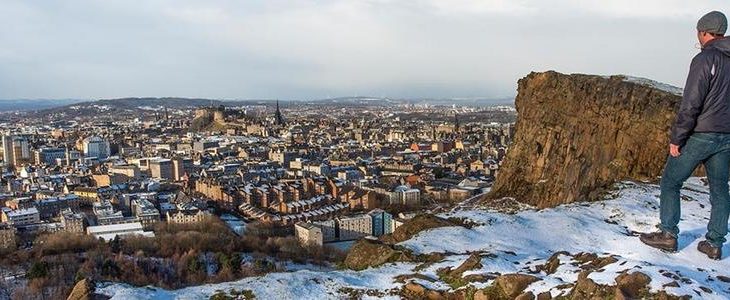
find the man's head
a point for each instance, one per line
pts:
(711, 26)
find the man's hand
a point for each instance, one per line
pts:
(674, 150)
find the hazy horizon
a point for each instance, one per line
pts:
(222, 49)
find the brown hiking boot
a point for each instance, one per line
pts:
(711, 251)
(660, 240)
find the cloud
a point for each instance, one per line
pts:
(313, 49)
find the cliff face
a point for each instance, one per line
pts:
(576, 135)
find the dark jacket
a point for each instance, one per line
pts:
(706, 100)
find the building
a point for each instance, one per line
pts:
(162, 168)
(101, 180)
(109, 232)
(96, 146)
(308, 234)
(182, 166)
(145, 212)
(405, 195)
(283, 157)
(20, 217)
(72, 222)
(49, 156)
(382, 222)
(329, 232)
(186, 213)
(350, 175)
(354, 227)
(20, 203)
(21, 151)
(201, 146)
(105, 214)
(397, 222)
(51, 207)
(90, 194)
(129, 171)
(8, 149)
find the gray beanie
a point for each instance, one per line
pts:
(713, 22)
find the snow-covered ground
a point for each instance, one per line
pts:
(518, 243)
(655, 84)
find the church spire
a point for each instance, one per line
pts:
(277, 115)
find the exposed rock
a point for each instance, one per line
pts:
(473, 262)
(633, 285)
(208, 119)
(415, 225)
(544, 296)
(481, 295)
(513, 285)
(586, 288)
(455, 277)
(367, 253)
(628, 286)
(577, 135)
(414, 290)
(85, 289)
(723, 278)
(526, 296)
(553, 263)
(591, 261)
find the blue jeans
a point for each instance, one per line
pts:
(712, 150)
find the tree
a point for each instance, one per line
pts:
(38, 269)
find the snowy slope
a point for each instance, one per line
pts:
(518, 243)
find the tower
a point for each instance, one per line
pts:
(277, 115)
(8, 149)
(456, 122)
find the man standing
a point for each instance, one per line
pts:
(700, 135)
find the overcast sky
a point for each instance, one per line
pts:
(316, 49)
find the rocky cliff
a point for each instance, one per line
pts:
(576, 135)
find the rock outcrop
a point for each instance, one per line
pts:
(85, 289)
(576, 135)
(416, 225)
(366, 253)
(209, 119)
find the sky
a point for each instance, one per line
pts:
(273, 49)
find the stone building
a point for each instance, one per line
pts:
(186, 213)
(308, 234)
(354, 227)
(72, 222)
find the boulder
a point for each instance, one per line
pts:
(85, 289)
(526, 296)
(633, 285)
(455, 277)
(586, 288)
(553, 263)
(576, 135)
(544, 296)
(366, 253)
(512, 285)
